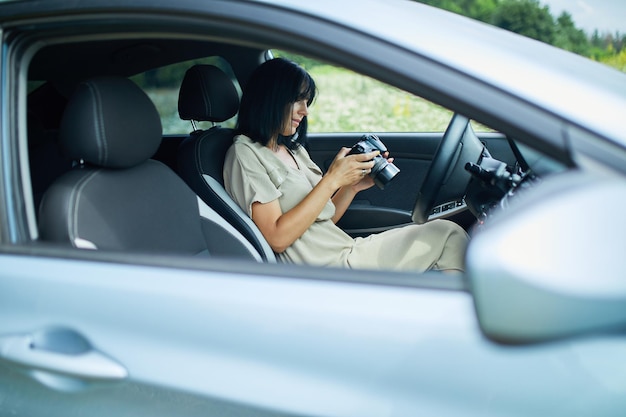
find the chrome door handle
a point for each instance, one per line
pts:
(62, 352)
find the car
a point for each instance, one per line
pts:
(129, 285)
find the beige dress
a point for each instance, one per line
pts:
(252, 173)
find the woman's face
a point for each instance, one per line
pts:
(299, 111)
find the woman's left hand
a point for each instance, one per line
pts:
(368, 181)
(345, 194)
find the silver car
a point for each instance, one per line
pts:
(130, 285)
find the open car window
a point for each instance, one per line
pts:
(352, 102)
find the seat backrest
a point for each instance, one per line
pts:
(117, 198)
(208, 94)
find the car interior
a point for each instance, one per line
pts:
(102, 174)
(105, 176)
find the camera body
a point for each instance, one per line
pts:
(383, 171)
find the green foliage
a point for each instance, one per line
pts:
(570, 38)
(476, 9)
(617, 60)
(349, 102)
(527, 18)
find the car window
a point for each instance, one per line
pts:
(351, 102)
(162, 85)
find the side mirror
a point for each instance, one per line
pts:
(553, 263)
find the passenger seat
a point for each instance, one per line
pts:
(119, 199)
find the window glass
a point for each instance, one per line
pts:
(351, 102)
(162, 85)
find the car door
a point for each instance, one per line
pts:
(100, 336)
(103, 335)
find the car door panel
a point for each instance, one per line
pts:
(181, 333)
(236, 339)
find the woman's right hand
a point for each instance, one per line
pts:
(350, 169)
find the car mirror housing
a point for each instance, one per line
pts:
(532, 272)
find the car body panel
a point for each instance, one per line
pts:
(297, 346)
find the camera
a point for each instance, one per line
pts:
(383, 171)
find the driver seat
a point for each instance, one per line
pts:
(117, 198)
(208, 94)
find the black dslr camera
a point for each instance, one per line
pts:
(383, 171)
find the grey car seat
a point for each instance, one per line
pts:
(208, 94)
(117, 198)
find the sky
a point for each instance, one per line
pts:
(604, 15)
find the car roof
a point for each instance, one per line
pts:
(583, 92)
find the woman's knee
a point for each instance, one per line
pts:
(455, 245)
(450, 228)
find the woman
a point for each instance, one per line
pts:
(270, 175)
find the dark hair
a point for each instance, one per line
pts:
(268, 98)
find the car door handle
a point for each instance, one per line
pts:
(62, 352)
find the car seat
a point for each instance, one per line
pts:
(208, 94)
(117, 198)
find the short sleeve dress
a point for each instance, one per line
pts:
(252, 173)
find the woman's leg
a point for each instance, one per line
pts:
(437, 245)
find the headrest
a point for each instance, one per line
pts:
(207, 94)
(110, 122)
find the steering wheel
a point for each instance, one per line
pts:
(440, 168)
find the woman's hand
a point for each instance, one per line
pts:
(367, 181)
(344, 196)
(351, 169)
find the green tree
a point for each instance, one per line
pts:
(449, 5)
(476, 9)
(526, 17)
(570, 38)
(483, 10)
(616, 60)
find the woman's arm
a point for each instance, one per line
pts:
(282, 229)
(344, 196)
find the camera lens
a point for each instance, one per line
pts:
(383, 172)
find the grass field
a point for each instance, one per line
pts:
(349, 102)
